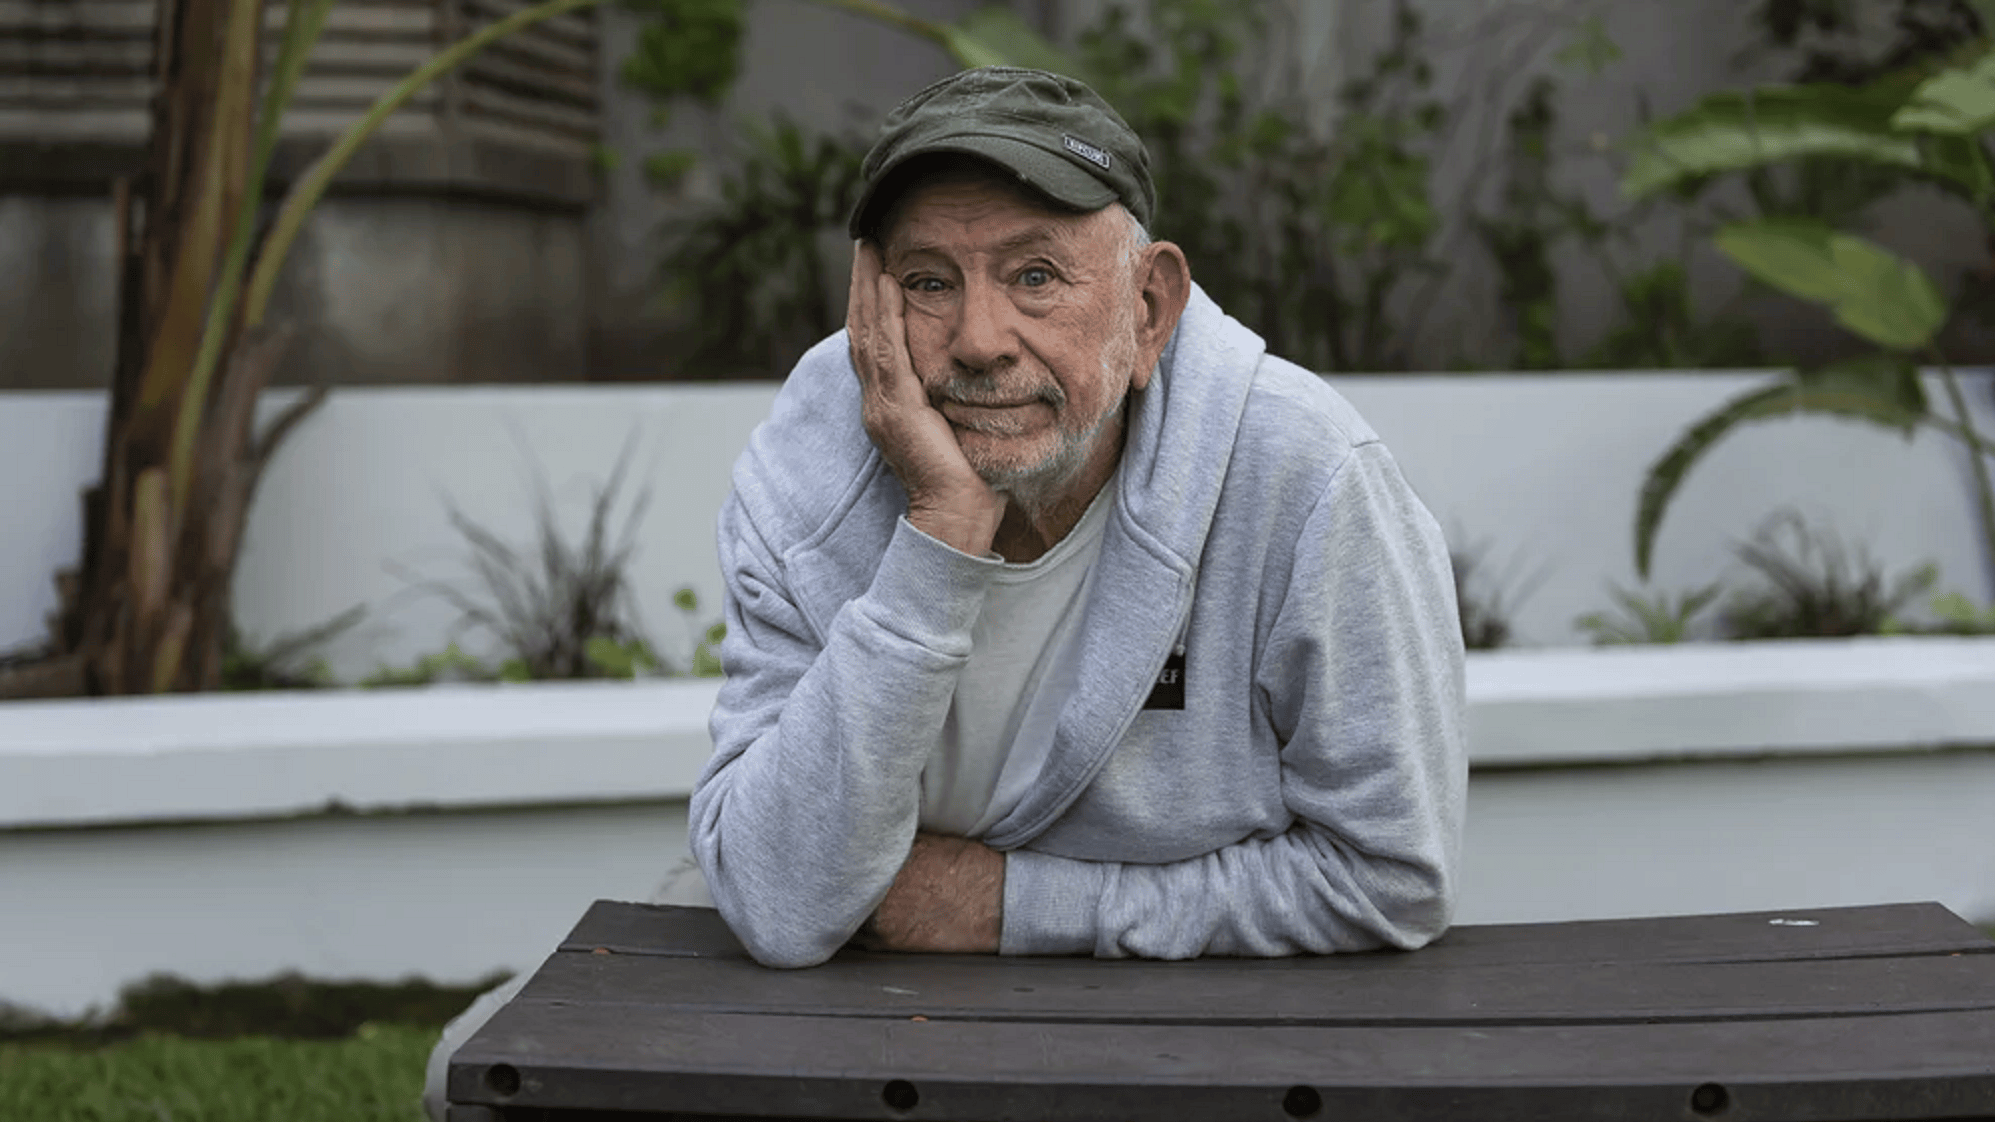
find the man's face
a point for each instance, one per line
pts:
(1021, 322)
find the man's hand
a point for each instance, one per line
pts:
(946, 498)
(948, 898)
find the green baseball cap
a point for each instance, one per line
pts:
(1051, 131)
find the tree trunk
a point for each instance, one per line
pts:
(147, 610)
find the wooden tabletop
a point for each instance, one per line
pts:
(1835, 1014)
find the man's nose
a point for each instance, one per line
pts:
(983, 339)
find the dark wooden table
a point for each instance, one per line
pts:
(1839, 1013)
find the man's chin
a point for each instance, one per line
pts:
(1001, 459)
(1034, 477)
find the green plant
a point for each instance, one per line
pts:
(1953, 614)
(1830, 43)
(1811, 586)
(147, 610)
(1485, 604)
(704, 661)
(1933, 128)
(1658, 618)
(559, 609)
(746, 274)
(546, 605)
(1304, 233)
(282, 663)
(1519, 236)
(1657, 328)
(451, 664)
(746, 271)
(1307, 235)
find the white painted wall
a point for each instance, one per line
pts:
(1543, 471)
(447, 896)
(1731, 836)
(365, 484)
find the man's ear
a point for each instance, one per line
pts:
(1163, 287)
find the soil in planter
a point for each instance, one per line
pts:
(286, 1007)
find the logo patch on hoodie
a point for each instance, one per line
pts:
(1169, 692)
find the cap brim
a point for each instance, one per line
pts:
(1050, 174)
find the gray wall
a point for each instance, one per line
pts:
(382, 289)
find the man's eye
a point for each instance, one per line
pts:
(1035, 276)
(925, 284)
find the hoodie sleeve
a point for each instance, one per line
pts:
(807, 808)
(1361, 675)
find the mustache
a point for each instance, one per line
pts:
(983, 390)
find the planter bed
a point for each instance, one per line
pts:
(453, 831)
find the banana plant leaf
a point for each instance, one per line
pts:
(1873, 292)
(990, 36)
(1738, 131)
(1957, 102)
(996, 36)
(1881, 389)
(1734, 131)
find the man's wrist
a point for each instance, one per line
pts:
(965, 533)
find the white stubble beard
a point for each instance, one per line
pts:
(1037, 487)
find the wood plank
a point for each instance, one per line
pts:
(1855, 932)
(73, 126)
(417, 17)
(533, 81)
(314, 89)
(540, 51)
(76, 56)
(1133, 992)
(89, 57)
(56, 94)
(653, 929)
(578, 29)
(1848, 932)
(478, 101)
(1931, 1065)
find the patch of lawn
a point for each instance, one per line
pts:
(288, 1048)
(377, 1073)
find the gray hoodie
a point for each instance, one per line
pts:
(1306, 798)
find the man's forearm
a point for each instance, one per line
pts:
(806, 812)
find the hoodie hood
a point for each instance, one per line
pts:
(1182, 428)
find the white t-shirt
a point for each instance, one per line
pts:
(1023, 661)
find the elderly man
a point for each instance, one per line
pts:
(1062, 618)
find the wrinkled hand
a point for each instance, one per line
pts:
(946, 498)
(948, 898)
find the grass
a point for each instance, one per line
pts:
(287, 1048)
(377, 1073)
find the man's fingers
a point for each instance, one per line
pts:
(861, 319)
(896, 368)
